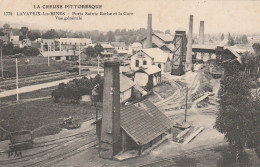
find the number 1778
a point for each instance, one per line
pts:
(8, 13)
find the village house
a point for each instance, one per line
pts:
(151, 56)
(120, 48)
(163, 41)
(134, 47)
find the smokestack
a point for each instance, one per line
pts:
(201, 33)
(110, 132)
(189, 45)
(149, 31)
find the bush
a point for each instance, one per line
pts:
(186, 162)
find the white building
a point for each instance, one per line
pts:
(143, 75)
(146, 58)
(73, 43)
(135, 47)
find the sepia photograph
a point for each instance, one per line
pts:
(129, 83)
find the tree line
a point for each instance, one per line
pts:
(75, 89)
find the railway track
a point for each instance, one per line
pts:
(38, 79)
(60, 148)
(171, 161)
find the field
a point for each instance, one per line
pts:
(42, 113)
(32, 66)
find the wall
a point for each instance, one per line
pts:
(141, 79)
(124, 96)
(141, 59)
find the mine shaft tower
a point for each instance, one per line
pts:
(179, 53)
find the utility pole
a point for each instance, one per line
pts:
(17, 93)
(2, 66)
(186, 106)
(79, 61)
(48, 60)
(98, 63)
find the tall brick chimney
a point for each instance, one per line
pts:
(201, 33)
(149, 31)
(189, 45)
(110, 132)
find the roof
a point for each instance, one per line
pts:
(209, 47)
(76, 40)
(143, 122)
(125, 83)
(104, 45)
(165, 37)
(151, 70)
(157, 54)
(4, 38)
(238, 57)
(58, 53)
(136, 44)
(140, 89)
(170, 46)
(118, 44)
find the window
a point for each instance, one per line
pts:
(137, 63)
(159, 65)
(145, 62)
(58, 57)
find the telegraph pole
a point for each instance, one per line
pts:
(79, 61)
(17, 93)
(98, 63)
(186, 106)
(2, 65)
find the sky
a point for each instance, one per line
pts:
(242, 16)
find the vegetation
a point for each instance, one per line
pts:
(239, 116)
(251, 63)
(186, 162)
(73, 91)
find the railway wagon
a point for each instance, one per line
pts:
(21, 140)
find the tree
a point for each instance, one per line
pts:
(244, 39)
(110, 36)
(236, 114)
(98, 49)
(33, 35)
(256, 47)
(168, 32)
(51, 34)
(24, 32)
(90, 51)
(231, 41)
(222, 37)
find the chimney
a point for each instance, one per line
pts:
(189, 46)
(110, 132)
(149, 31)
(201, 33)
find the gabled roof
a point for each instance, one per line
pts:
(125, 83)
(136, 44)
(118, 44)
(165, 37)
(238, 57)
(170, 46)
(143, 122)
(151, 70)
(157, 54)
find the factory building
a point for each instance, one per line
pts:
(138, 127)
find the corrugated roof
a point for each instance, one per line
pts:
(125, 83)
(157, 54)
(165, 37)
(143, 122)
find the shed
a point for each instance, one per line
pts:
(143, 125)
(152, 74)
